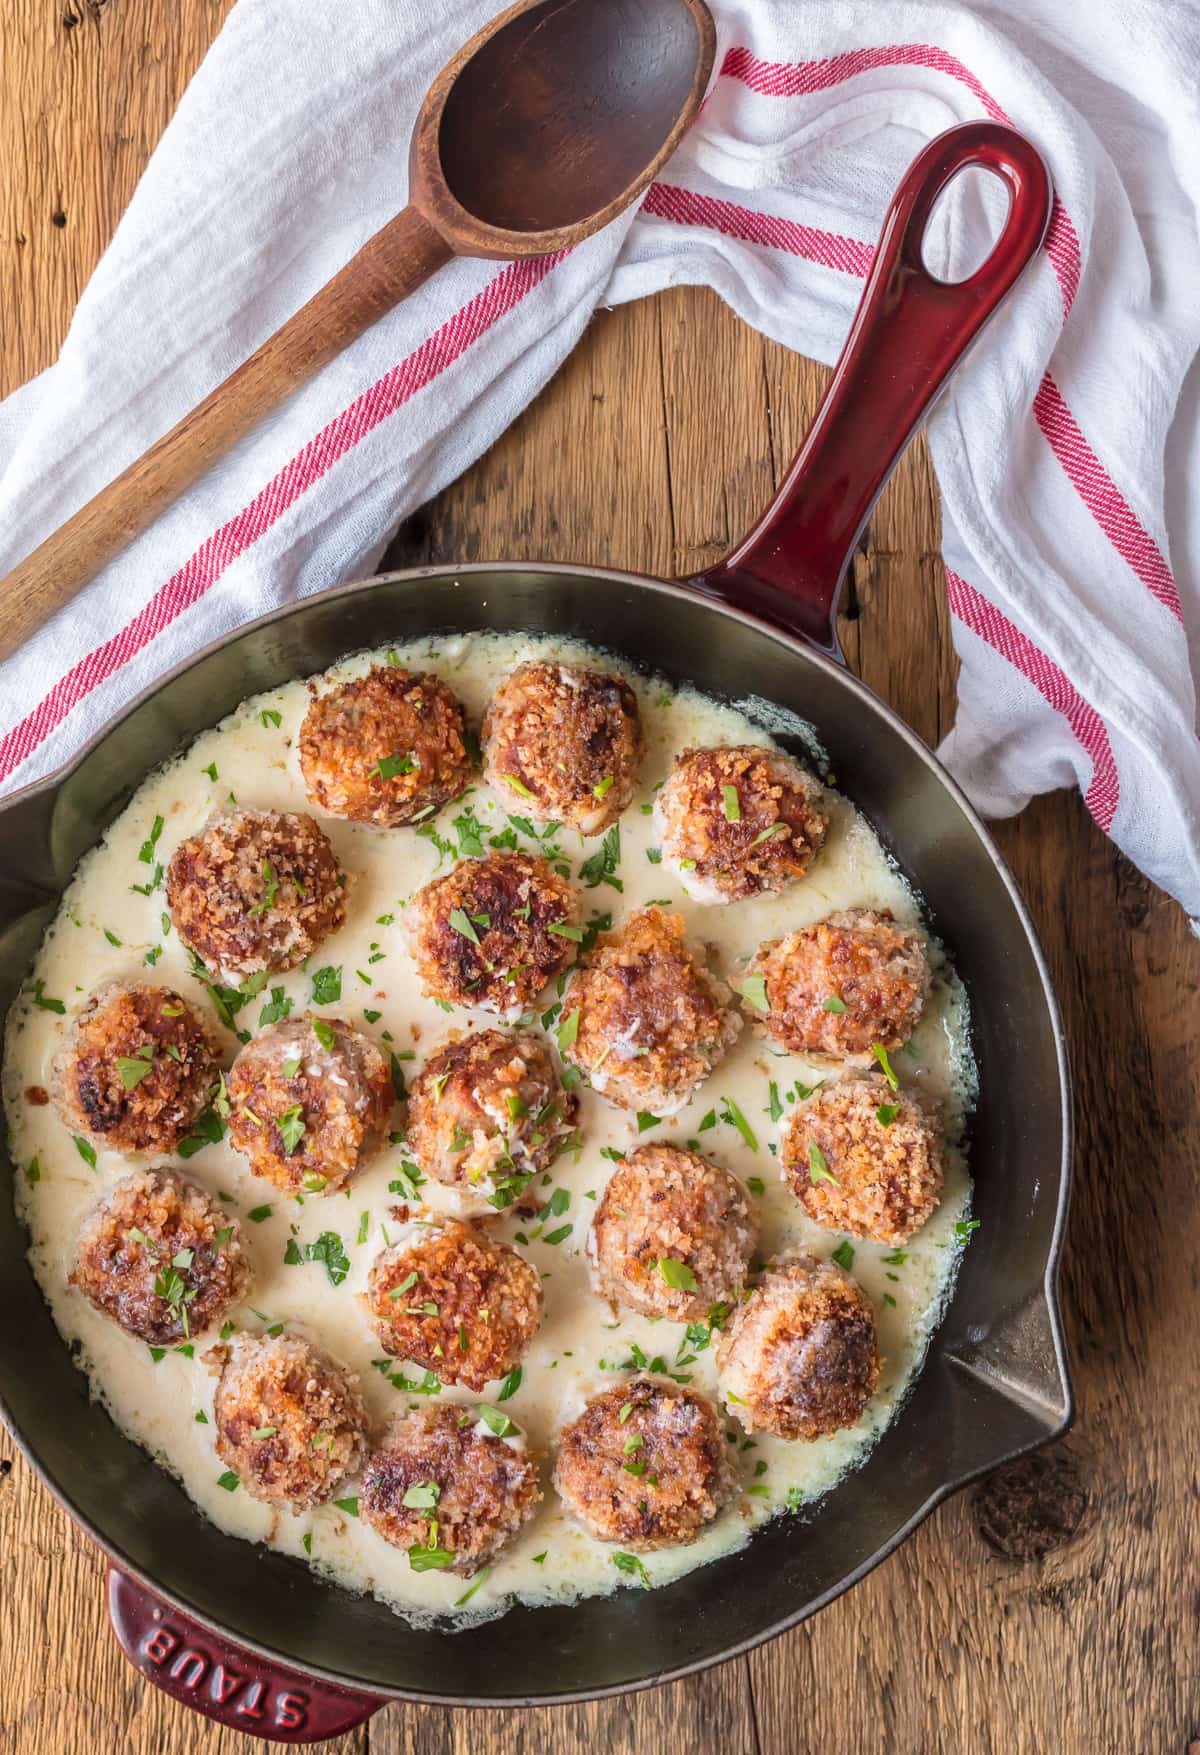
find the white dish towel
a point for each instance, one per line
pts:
(1063, 450)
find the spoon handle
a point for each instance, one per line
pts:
(392, 264)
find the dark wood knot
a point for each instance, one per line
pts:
(1032, 1506)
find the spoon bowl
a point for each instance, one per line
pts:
(556, 117)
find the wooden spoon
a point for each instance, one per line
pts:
(539, 132)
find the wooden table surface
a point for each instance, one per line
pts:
(1055, 1608)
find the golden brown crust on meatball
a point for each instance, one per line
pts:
(160, 1258)
(476, 1490)
(652, 1021)
(455, 1302)
(289, 1422)
(645, 1464)
(874, 970)
(672, 1236)
(799, 1358)
(255, 890)
(862, 1159)
(565, 742)
(487, 1111)
(484, 935)
(740, 820)
(385, 748)
(136, 1070)
(309, 1103)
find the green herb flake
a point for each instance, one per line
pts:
(887, 1113)
(881, 1055)
(677, 1274)
(42, 998)
(349, 1506)
(511, 1384)
(631, 1564)
(754, 991)
(818, 1169)
(844, 1254)
(229, 1481)
(292, 1130)
(86, 1151)
(733, 808)
(327, 986)
(496, 1421)
(269, 716)
(832, 1003)
(480, 1580)
(423, 1559)
(461, 924)
(732, 1115)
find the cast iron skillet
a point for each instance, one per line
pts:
(264, 1644)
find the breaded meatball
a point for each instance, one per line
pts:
(834, 989)
(443, 1481)
(386, 748)
(136, 1070)
(799, 1358)
(493, 932)
(652, 1022)
(672, 1236)
(645, 1465)
(736, 821)
(309, 1103)
(455, 1302)
(862, 1159)
(289, 1422)
(255, 890)
(160, 1258)
(564, 744)
(487, 1110)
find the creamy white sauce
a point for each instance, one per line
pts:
(105, 929)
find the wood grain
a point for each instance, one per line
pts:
(652, 449)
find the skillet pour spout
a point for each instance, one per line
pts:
(194, 1606)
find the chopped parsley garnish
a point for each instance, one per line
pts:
(731, 1114)
(269, 717)
(462, 924)
(599, 869)
(276, 1008)
(264, 1432)
(832, 1003)
(481, 1579)
(775, 1107)
(41, 998)
(325, 1034)
(229, 1481)
(349, 1506)
(211, 771)
(631, 1564)
(388, 767)
(470, 834)
(146, 850)
(567, 1031)
(733, 808)
(844, 1254)
(654, 855)
(887, 1113)
(270, 890)
(896, 1259)
(328, 1248)
(518, 785)
(564, 929)
(292, 1130)
(496, 1421)
(818, 1169)
(756, 1185)
(429, 1559)
(963, 1229)
(86, 1151)
(133, 1068)
(256, 1215)
(327, 986)
(645, 1121)
(422, 1496)
(291, 1068)
(769, 834)
(888, 1299)
(677, 1274)
(511, 1384)
(33, 1171)
(881, 1055)
(559, 1236)
(707, 1121)
(407, 1180)
(754, 991)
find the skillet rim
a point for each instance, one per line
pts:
(797, 646)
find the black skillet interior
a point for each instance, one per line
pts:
(994, 1382)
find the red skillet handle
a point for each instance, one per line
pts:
(909, 333)
(235, 1687)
